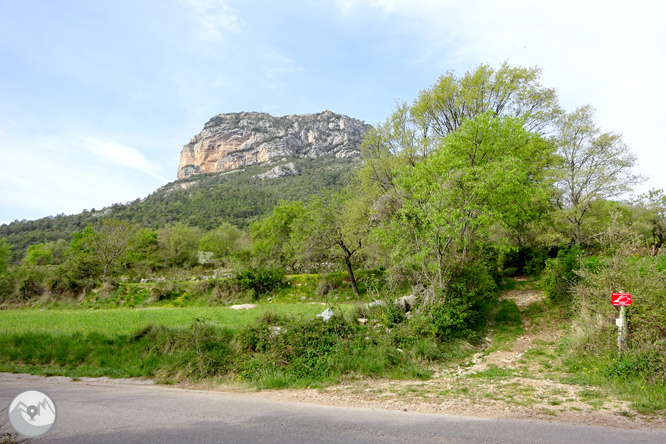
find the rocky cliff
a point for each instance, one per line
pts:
(231, 141)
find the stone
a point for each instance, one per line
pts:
(406, 303)
(288, 169)
(243, 306)
(326, 315)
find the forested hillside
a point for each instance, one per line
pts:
(202, 201)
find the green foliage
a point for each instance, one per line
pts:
(652, 212)
(261, 280)
(596, 166)
(179, 244)
(525, 260)
(310, 351)
(560, 274)
(445, 218)
(271, 236)
(223, 241)
(100, 246)
(203, 350)
(38, 255)
(165, 290)
(5, 251)
(623, 272)
(463, 311)
(274, 351)
(332, 228)
(507, 90)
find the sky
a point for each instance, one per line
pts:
(97, 98)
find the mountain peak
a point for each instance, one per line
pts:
(235, 140)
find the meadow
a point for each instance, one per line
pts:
(127, 321)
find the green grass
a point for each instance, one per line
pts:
(618, 378)
(272, 346)
(125, 321)
(508, 326)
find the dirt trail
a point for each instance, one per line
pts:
(520, 382)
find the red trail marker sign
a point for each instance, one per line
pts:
(621, 299)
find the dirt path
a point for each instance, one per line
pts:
(523, 380)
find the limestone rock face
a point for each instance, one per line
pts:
(288, 169)
(230, 141)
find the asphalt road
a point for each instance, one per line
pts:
(101, 414)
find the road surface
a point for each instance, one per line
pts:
(115, 414)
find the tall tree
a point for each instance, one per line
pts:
(597, 165)
(179, 243)
(221, 241)
(653, 204)
(271, 236)
(414, 131)
(101, 244)
(333, 226)
(507, 91)
(488, 173)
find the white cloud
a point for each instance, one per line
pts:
(118, 154)
(214, 18)
(64, 174)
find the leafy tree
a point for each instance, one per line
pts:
(653, 204)
(507, 91)
(5, 251)
(38, 254)
(179, 243)
(100, 245)
(270, 237)
(413, 132)
(488, 173)
(143, 248)
(222, 241)
(597, 165)
(333, 226)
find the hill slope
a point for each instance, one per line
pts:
(238, 195)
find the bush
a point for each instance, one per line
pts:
(204, 350)
(327, 284)
(525, 260)
(560, 275)
(594, 324)
(462, 310)
(261, 280)
(29, 282)
(165, 290)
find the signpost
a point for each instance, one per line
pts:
(622, 300)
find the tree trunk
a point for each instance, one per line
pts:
(350, 272)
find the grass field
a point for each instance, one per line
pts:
(113, 322)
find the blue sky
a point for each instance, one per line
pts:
(97, 98)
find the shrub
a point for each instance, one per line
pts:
(205, 350)
(29, 282)
(327, 284)
(525, 260)
(261, 280)
(165, 290)
(594, 324)
(560, 275)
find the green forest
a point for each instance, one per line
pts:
(480, 178)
